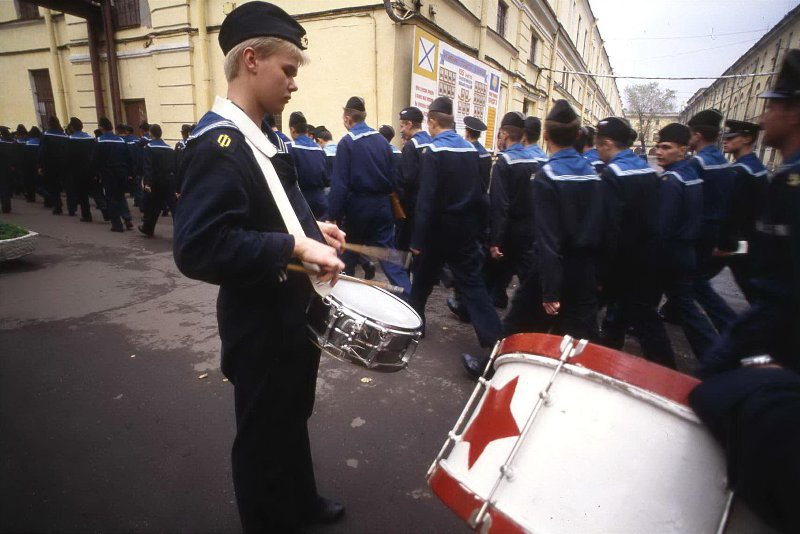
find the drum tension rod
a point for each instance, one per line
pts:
(569, 350)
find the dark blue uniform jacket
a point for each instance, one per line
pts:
(681, 197)
(113, 160)
(81, 149)
(712, 167)
(159, 165)
(485, 162)
(511, 206)
(594, 160)
(53, 151)
(746, 201)
(410, 166)
(310, 162)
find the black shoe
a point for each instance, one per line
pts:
(475, 365)
(446, 278)
(142, 230)
(128, 225)
(117, 229)
(369, 271)
(57, 212)
(86, 219)
(324, 511)
(458, 310)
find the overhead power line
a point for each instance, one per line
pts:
(712, 35)
(617, 76)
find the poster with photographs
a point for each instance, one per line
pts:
(442, 70)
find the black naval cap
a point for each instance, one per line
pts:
(386, 131)
(21, 130)
(296, 118)
(186, 128)
(442, 105)
(533, 123)
(474, 124)
(788, 83)
(734, 128)
(260, 19)
(513, 118)
(355, 103)
(674, 132)
(615, 129)
(707, 117)
(411, 113)
(562, 112)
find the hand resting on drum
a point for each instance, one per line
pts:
(323, 256)
(333, 235)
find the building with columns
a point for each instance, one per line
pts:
(159, 59)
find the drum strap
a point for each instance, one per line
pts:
(262, 151)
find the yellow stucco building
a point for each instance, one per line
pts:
(165, 64)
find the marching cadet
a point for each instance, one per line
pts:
(632, 221)
(588, 150)
(324, 140)
(680, 226)
(311, 164)
(270, 118)
(6, 168)
(31, 165)
(711, 167)
(415, 141)
(180, 146)
(52, 162)
(18, 174)
(751, 397)
(747, 197)
(511, 210)
(533, 131)
(450, 211)
(361, 188)
(230, 231)
(159, 180)
(113, 165)
(388, 133)
(473, 128)
(80, 155)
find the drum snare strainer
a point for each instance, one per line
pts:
(365, 325)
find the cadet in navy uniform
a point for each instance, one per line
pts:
(473, 128)
(285, 139)
(588, 150)
(6, 171)
(20, 137)
(31, 165)
(713, 169)
(415, 141)
(751, 402)
(159, 180)
(361, 185)
(52, 161)
(632, 222)
(113, 165)
(533, 131)
(229, 231)
(680, 227)
(511, 210)
(80, 154)
(747, 197)
(310, 162)
(449, 222)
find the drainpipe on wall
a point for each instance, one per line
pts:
(94, 60)
(55, 63)
(111, 53)
(551, 81)
(205, 80)
(375, 46)
(484, 29)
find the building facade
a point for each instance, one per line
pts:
(649, 130)
(736, 97)
(165, 65)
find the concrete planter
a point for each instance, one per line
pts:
(11, 249)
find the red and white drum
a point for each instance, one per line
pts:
(603, 443)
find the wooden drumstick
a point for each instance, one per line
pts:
(375, 283)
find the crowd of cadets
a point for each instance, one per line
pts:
(68, 165)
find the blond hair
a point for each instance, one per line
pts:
(263, 47)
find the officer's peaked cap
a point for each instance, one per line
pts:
(296, 118)
(355, 103)
(411, 113)
(788, 83)
(513, 118)
(474, 124)
(674, 132)
(734, 128)
(562, 112)
(707, 117)
(442, 105)
(615, 129)
(260, 19)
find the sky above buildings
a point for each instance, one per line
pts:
(682, 37)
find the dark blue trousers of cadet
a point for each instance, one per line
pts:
(369, 221)
(677, 277)
(455, 242)
(115, 199)
(318, 203)
(708, 267)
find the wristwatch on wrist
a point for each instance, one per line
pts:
(761, 359)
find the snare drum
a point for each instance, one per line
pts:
(363, 324)
(613, 447)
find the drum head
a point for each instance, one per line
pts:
(376, 304)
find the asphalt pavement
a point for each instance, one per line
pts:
(114, 415)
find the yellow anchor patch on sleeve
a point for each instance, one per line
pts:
(224, 140)
(793, 180)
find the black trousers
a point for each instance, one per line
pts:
(154, 202)
(516, 259)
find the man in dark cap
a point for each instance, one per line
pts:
(632, 219)
(568, 218)
(747, 198)
(415, 140)
(180, 146)
(449, 221)
(533, 132)
(114, 166)
(473, 129)
(80, 154)
(361, 187)
(31, 166)
(53, 163)
(680, 228)
(750, 399)
(6, 168)
(233, 231)
(159, 181)
(310, 162)
(20, 137)
(585, 146)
